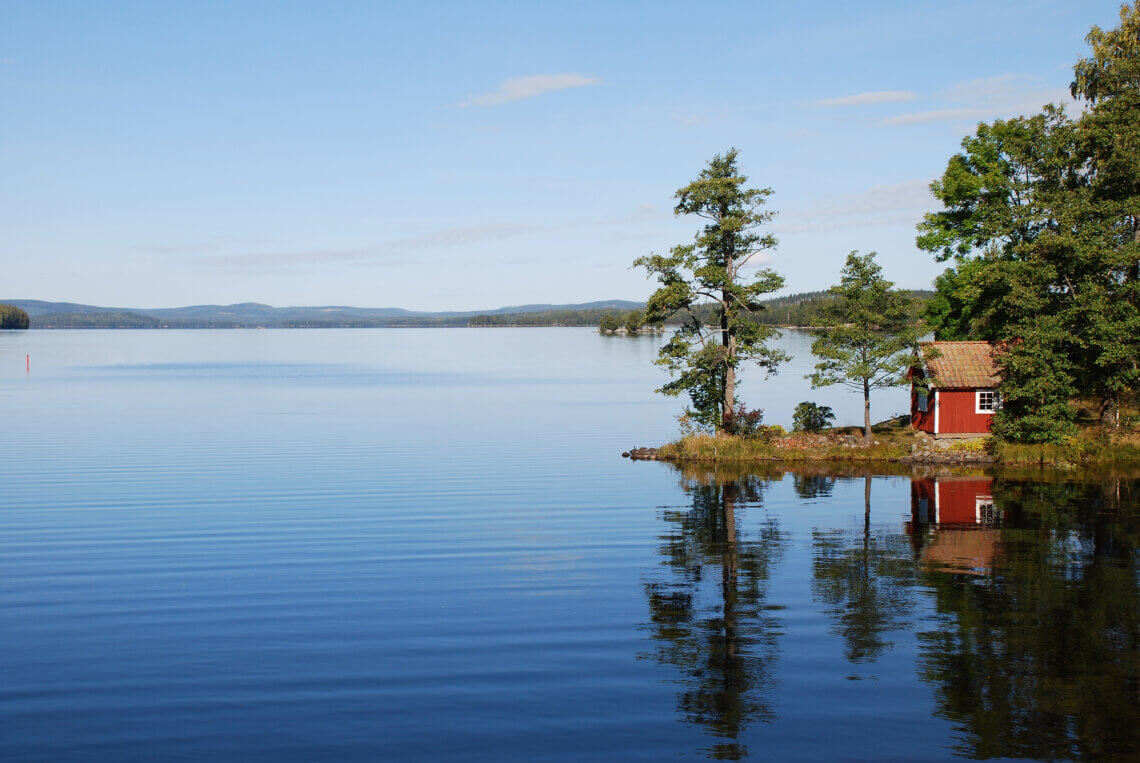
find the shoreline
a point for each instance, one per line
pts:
(800, 457)
(896, 445)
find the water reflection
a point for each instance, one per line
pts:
(954, 523)
(809, 486)
(709, 611)
(1020, 596)
(864, 583)
(1036, 650)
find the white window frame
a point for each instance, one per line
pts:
(995, 401)
(984, 511)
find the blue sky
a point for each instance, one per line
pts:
(472, 155)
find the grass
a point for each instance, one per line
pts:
(1095, 446)
(1090, 448)
(888, 446)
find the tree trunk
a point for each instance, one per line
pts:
(1136, 237)
(728, 341)
(866, 412)
(730, 378)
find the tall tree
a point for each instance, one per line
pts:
(1042, 219)
(706, 353)
(869, 334)
(1108, 82)
(1006, 197)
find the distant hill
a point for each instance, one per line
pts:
(252, 314)
(791, 310)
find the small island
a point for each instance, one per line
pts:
(12, 317)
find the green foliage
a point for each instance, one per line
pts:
(634, 320)
(707, 351)
(812, 417)
(961, 294)
(1042, 220)
(870, 337)
(1037, 383)
(609, 323)
(13, 318)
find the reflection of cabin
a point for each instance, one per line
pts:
(953, 523)
(952, 501)
(954, 392)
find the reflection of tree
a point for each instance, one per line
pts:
(866, 583)
(709, 613)
(810, 486)
(1041, 656)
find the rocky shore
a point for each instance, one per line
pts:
(834, 447)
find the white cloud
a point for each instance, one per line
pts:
(939, 115)
(895, 204)
(520, 88)
(863, 99)
(444, 238)
(977, 100)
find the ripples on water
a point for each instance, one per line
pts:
(421, 544)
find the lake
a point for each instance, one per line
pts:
(424, 544)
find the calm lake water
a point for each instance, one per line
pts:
(423, 544)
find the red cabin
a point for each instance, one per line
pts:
(960, 395)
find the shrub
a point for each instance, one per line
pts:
(1051, 423)
(769, 433)
(609, 323)
(634, 320)
(974, 445)
(812, 417)
(743, 422)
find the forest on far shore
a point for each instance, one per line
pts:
(793, 310)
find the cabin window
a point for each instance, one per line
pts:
(988, 401)
(984, 511)
(923, 400)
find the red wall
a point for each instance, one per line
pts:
(918, 419)
(955, 413)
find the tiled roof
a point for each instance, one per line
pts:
(960, 365)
